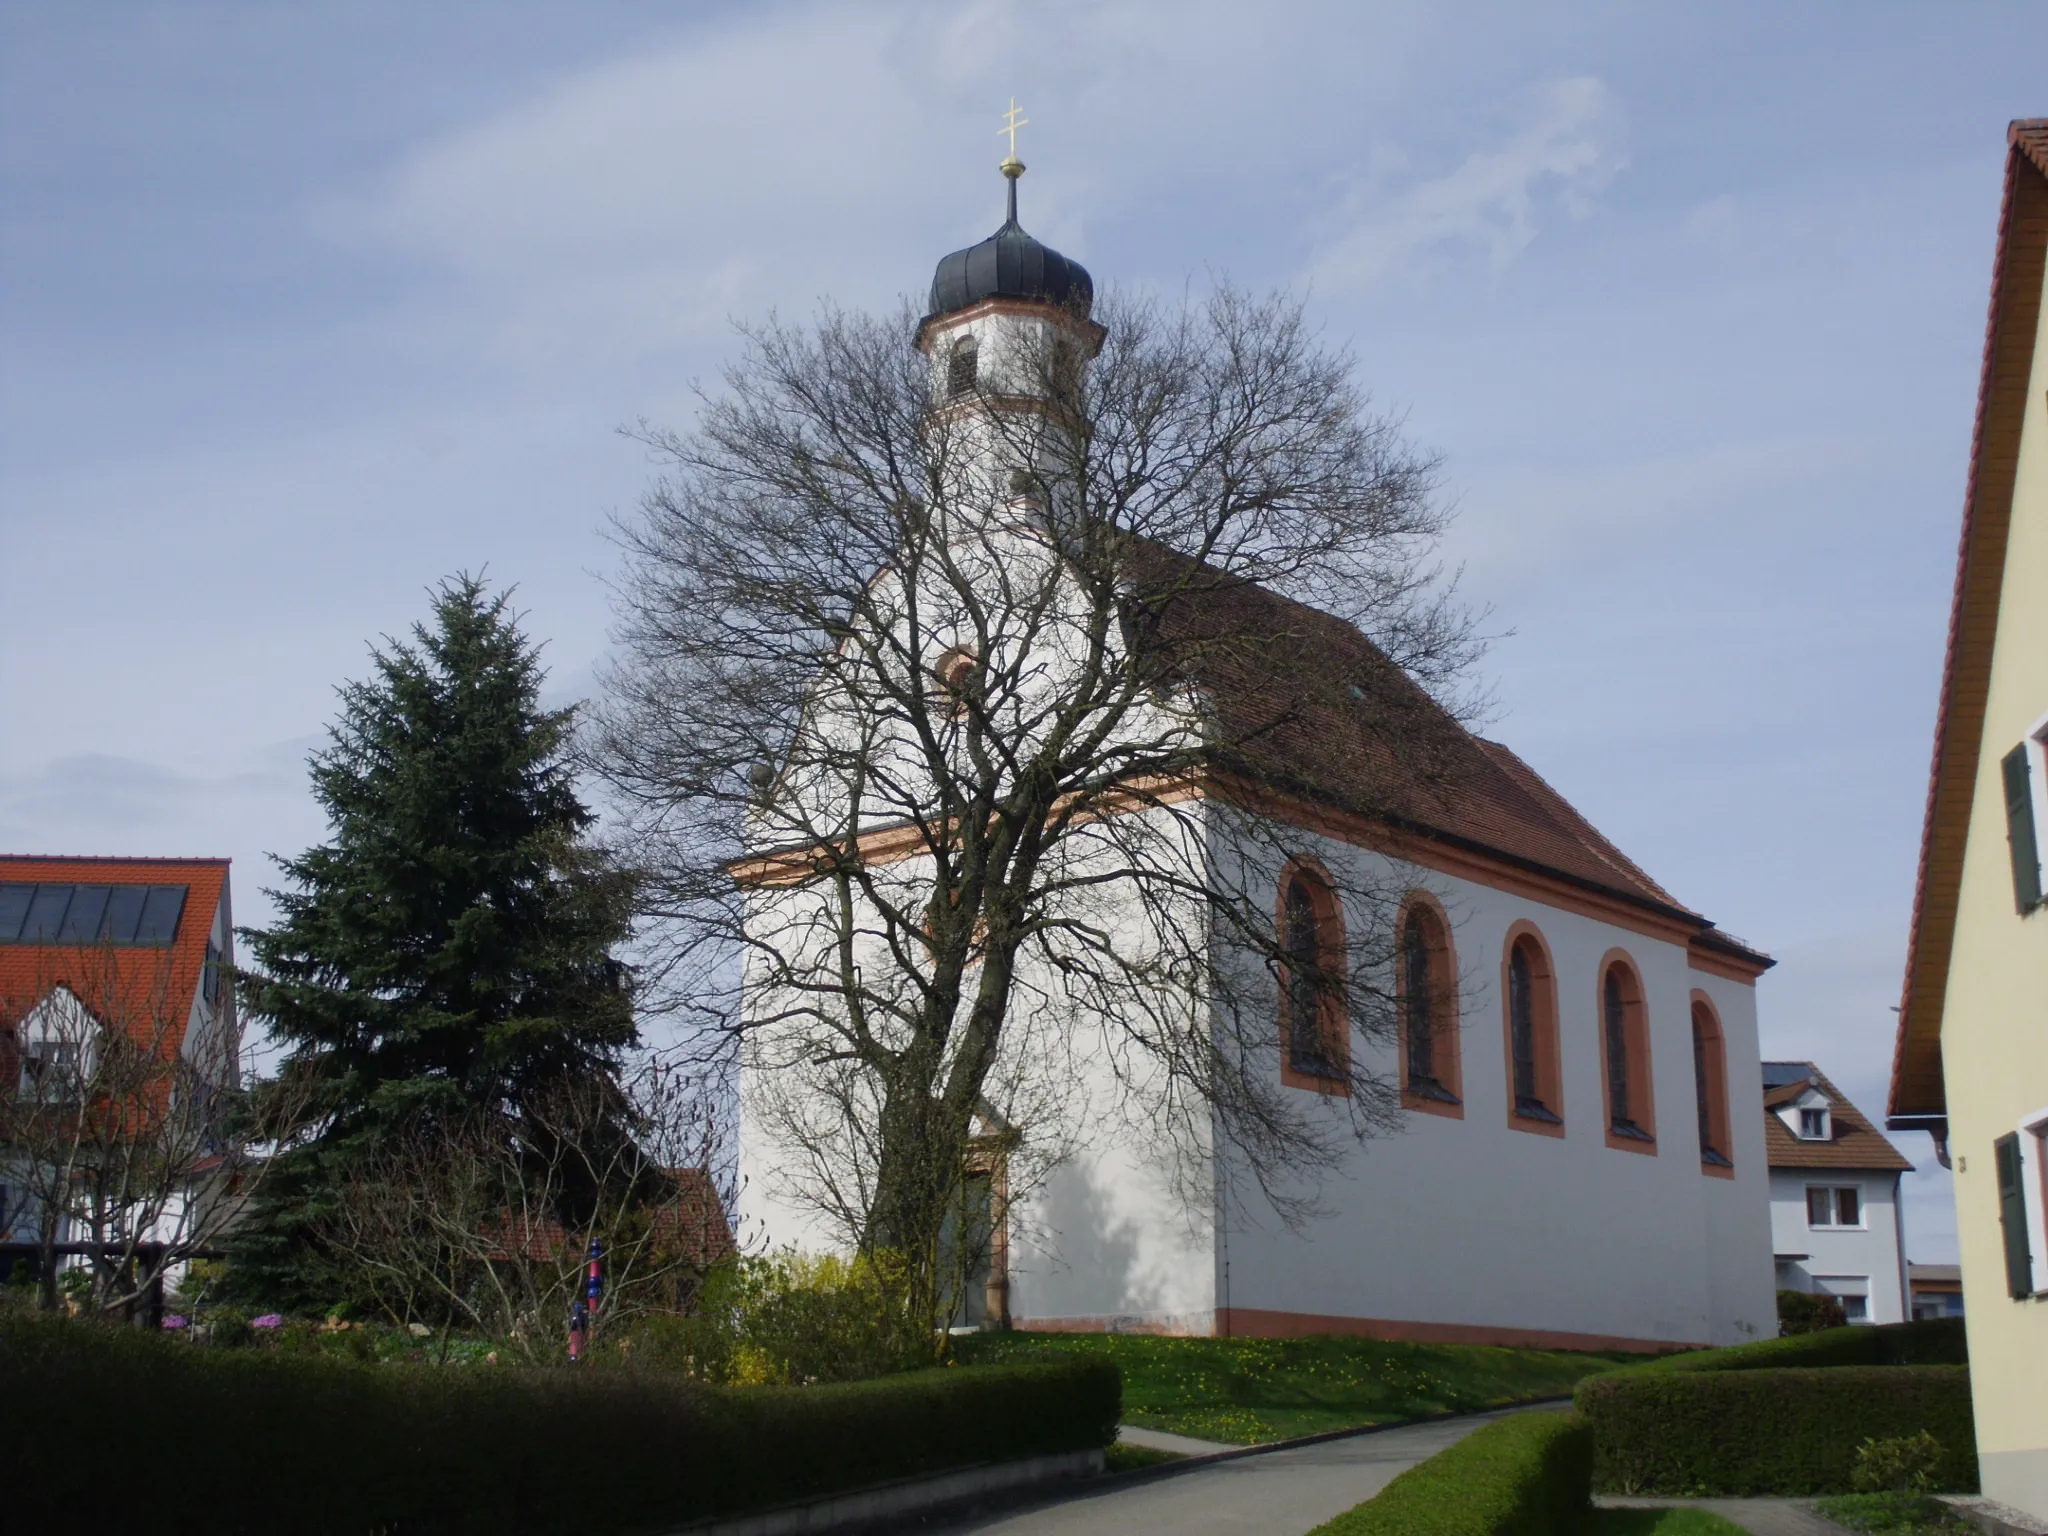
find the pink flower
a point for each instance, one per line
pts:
(173, 1320)
(267, 1320)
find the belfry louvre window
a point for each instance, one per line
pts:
(962, 367)
(2022, 837)
(90, 914)
(1314, 1015)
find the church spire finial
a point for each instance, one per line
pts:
(1011, 166)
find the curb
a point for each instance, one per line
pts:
(1239, 1452)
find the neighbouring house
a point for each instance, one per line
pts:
(1836, 1223)
(1971, 1061)
(1580, 1155)
(1937, 1290)
(115, 983)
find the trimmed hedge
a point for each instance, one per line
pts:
(115, 1429)
(1527, 1475)
(1934, 1341)
(1781, 1431)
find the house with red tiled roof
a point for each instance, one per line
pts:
(1836, 1220)
(104, 953)
(1525, 1074)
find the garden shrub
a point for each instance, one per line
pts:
(1934, 1341)
(1782, 1431)
(109, 1426)
(1809, 1312)
(1903, 1464)
(791, 1319)
(1526, 1475)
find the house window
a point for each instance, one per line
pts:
(49, 1071)
(1314, 1014)
(1839, 1205)
(1625, 1053)
(1534, 1080)
(1710, 1087)
(1427, 989)
(2022, 836)
(214, 978)
(2012, 1215)
(1855, 1308)
(962, 367)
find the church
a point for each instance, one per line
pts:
(1567, 1145)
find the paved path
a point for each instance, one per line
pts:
(1280, 1493)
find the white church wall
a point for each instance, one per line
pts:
(1738, 1240)
(1102, 1230)
(1467, 1227)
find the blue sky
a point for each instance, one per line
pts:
(303, 307)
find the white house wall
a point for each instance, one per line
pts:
(1872, 1251)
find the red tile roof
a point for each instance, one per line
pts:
(1856, 1143)
(1321, 710)
(150, 987)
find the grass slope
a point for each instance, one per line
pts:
(1251, 1391)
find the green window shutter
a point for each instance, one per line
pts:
(2012, 1216)
(2019, 829)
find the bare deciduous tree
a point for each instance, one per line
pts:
(483, 1222)
(961, 718)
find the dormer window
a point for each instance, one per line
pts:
(1813, 1125)
(962, 367)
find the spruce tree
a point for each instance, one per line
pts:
(449, 949)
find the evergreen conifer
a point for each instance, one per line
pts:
(449, 949)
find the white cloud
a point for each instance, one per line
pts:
(1568, 150)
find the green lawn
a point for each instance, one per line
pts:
(1657, 1522)
(1250, 1391)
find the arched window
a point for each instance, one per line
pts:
(1625, 1057)
(1428, 992)
(962, 367)
(1535, 1079)
(1315, 1024)
(1710, 1088)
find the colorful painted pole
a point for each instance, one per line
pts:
(593, 1284)
(579, 1330)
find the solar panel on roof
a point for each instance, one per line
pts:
(14, 900)
(82, 918)
(160, 914)
(89, 914)
(46, 914)
(124, 912)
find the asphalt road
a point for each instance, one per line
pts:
(1279, 1493)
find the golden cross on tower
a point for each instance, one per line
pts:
(1012, 167)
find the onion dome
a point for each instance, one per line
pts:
(1009, 264)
